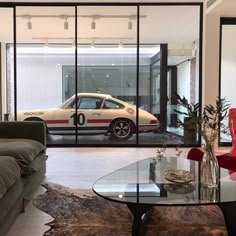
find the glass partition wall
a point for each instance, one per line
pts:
(6, 63)
(174, 67)
(106, 75)
(107, 62)
(45, 43)
(227, 74)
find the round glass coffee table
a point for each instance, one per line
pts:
(170, 181)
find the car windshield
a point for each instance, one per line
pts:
(66, 103)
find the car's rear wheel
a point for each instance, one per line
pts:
(121, 129)
(37, 119)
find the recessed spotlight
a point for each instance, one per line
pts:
(46, 44)
(92, 44)
(112, 64)
(58, 64)
(120, 45)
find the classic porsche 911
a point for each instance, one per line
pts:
(96, 114)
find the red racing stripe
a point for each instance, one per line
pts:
(57, 121)
(99, 121)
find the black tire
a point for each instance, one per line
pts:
(121, 129)
(37, 119)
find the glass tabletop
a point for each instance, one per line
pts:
(151, 181)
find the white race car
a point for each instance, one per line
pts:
(96, 114)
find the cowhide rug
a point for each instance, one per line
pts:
(82, 213)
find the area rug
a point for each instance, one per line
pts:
(82, 213)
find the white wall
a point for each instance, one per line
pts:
(3, 80)
(210, 80)
(39, 78)
(183, 79)
(183, 84)
(228, 68)
(39, 82)
(228, 64)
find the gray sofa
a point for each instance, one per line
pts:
(22, 167)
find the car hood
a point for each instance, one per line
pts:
(39, 110)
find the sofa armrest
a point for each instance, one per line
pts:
(35, 130)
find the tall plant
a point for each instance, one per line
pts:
(209, 122)
(191, 110)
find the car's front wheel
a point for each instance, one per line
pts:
(121, 129)
(37, 119)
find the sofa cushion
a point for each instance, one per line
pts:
(23, 150)
(9, 173)
(35, 165)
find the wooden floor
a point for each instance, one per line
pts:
(78, 168)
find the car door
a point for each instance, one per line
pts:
(89, 118)
(63, 118)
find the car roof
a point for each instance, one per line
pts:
(95, 95)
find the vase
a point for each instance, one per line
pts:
(209, 175)
(209, 194)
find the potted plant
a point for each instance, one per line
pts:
(190, 121)
(208, 124)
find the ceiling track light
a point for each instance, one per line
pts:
(93, 25)
(29, 24)
(120, 45)
(92, 44)
(66, 24)
(46, 44)
(130, 25)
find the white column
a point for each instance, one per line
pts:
(3, 78)
(210, 83)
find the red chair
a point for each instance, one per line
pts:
(225, 160)
(232, 129)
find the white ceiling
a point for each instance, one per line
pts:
(111, 1)
(224, 8)
(159, 26)
(176, 25)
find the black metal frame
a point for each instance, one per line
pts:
(0, 81)
(76, 5)
(223, 21)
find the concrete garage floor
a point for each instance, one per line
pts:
(144, 138)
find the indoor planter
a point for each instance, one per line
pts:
(209, 124)
(190, 111)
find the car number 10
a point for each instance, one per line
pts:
(78, 118)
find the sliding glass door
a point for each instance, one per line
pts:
(106, 76)
(172, 31)
(45, 44)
